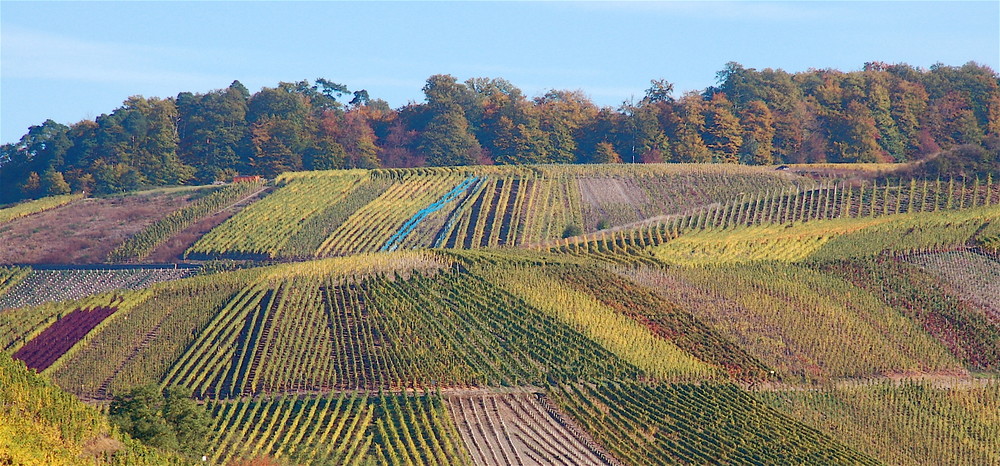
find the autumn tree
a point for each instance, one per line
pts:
(604, 152)
(758, 134)
(53, 183)
(564, 115)
(723, 133)
(688, 145)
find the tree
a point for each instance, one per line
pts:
(32, 186)
(724, 135)
(358, 140)
(278, 147)
(660, 90)
(646, 140)
(908, 102)
(854, 136)
(115, 178)
(169, 419)
(604, 152)
(688, 144)
(189, 421)
(880, 106)
(953, 122)
(142, 134)
(564, 116)
(213, 131)
(447, 140)
(54, 184)
(607, 126)
(140, 414)
(282, 128)
(443, 92)
(758, 134)
(395, 150)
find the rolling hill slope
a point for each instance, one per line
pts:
(439, 316)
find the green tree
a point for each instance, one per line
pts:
(645, 139)
(880, 106)
(448, 140)
(142, 134)
(169, 419)
(660, 90)
(189, 421)
(213, 131)
(140, 414)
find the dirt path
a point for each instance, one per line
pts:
(943, 380)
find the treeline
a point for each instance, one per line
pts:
(886, 112)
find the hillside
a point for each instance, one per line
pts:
(550, 314)
(42, 424)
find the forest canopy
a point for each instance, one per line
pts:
(883, 113)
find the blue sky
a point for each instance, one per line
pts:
(74, 60)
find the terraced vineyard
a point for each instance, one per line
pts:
(553, 315)
(318, 214)
(655, 424)
(31, 287)
(338, 429)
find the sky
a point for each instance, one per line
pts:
(69, 61)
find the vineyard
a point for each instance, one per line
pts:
(695, 424)
(319, 214)
(345, 428)
(912, 423)
(605, 315)
(30, 287)
(23, 209)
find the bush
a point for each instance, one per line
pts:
(572, 230)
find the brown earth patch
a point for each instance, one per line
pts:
(85, 231)
(599, 191)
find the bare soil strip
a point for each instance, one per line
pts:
(520, 428)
